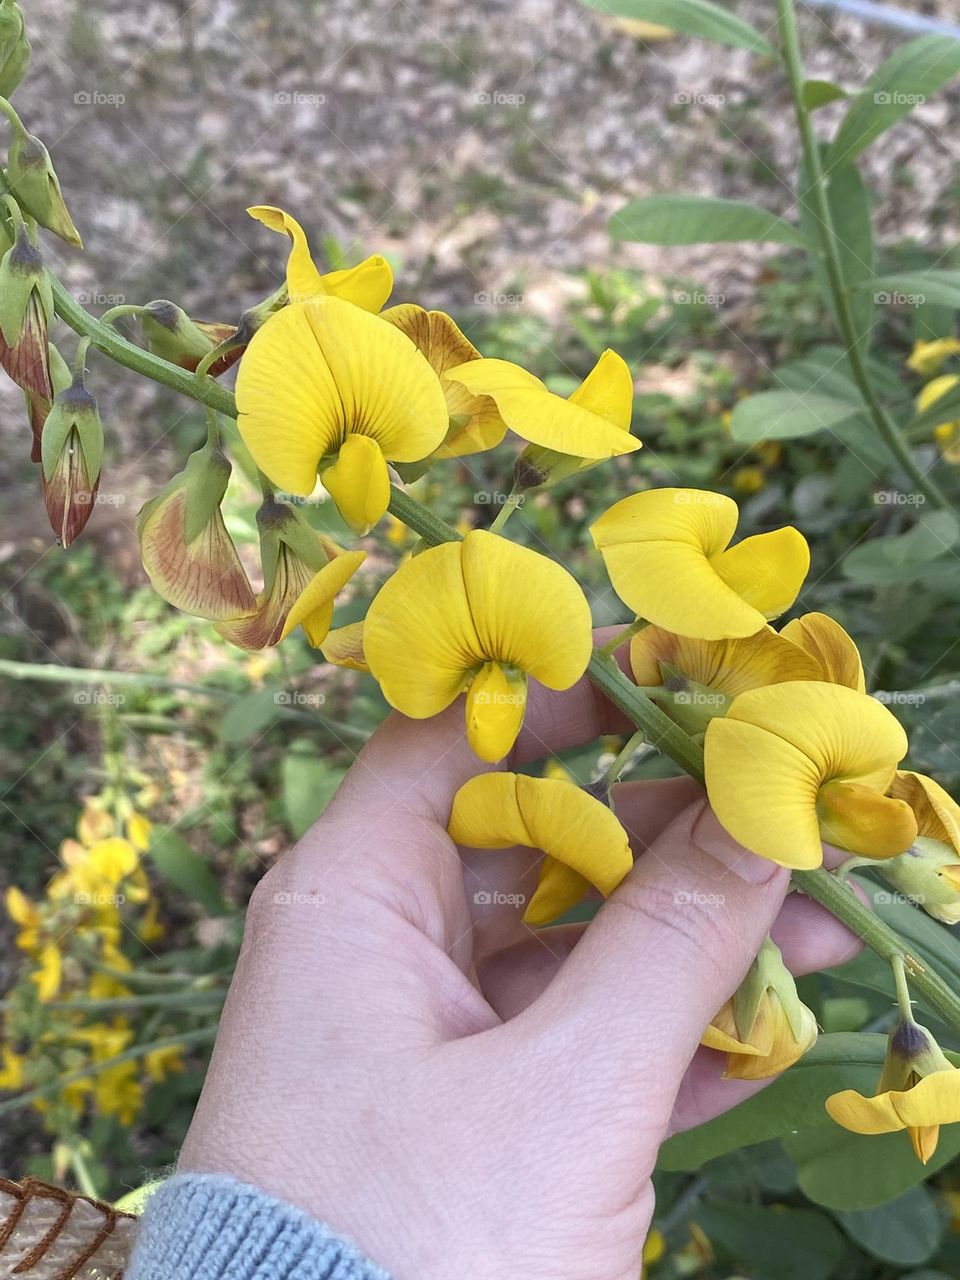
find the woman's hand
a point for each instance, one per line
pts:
(460, 1094)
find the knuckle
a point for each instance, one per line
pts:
(691, 921)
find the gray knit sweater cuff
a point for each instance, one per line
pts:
(208, 1227)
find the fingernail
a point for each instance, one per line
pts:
(711, 838)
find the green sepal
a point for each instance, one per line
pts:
(767, 973)
(74, 409)
(912, 1051)
(689, 704)
(539, 468)
(170, 333)
(204, 479)
(916, 874)
(21, 272)
(34, 183)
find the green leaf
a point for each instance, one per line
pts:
(774, 1243)
(817, 93)
(849, 204)
(905, 1231)
(941, 287)
(250, 715)
(678, 219)
(902, 82)
(186, 871)
(842, 1170)
(785, 415)
(793, 1101)
(308, 783)
(900, 557)
(689, 18)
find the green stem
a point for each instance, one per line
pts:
(113, 344)
(81, 1171)
(624, 756)
(841, 902)
(117, 313)
(621, 637)
(178, 999)
(904, 1003)
(840, 294)
(417, 517)
(200, 1035)
(512, 503)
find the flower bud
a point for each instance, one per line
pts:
(26, 307)
(14, 47)
(765, 1027)
(928, 873)
(170, 333)
(71, 449)
(39, 406)
(187, 552)
(35, 185)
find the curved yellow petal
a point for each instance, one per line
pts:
(767, 570)
(864, 821)
(359, 483)
(729, 666)
(825, 639)
(937, 813)
(494, 711)
(529, 611)
(325, 369)
(607, 391)
(845, 734)
(303, 278)
(498, 810)
(537, 415)
(343, 647)
(289, 410)
(367, 285)
(475, 423)
(935, 390)
(559, 888)
(697, 518)
(934, 1100)
(419, 637)
(764, 792)
(313, 608)
(927, 357)
(931, 1102)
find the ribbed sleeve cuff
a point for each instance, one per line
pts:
(208, 1227)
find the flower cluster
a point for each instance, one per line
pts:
(68, 1028)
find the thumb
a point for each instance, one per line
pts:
(663, 954)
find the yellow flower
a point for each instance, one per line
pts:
(94, 823)
(138, 831)
(700, 678)
(48, 975)
(474, 422)
(118, 1092)
(765, 1027)
(593, 423)
(582, 840)
(918, 1090)
(654, 1248)
(24, 913)
(926, 358)
(161, 1063)
(478, 615)
(302, 570)
(11, 1073)
(326, 385)
(945, 433)
(150, 928)
(749, 479)
(795, 764)
(826, 641)
(367, 285)
(667, 554)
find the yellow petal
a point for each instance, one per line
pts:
(475, 423)
(767, 570)
(537, 415)
(320, 371)
(729, 666)
(303, 278)
(359, 483)
(447, 611)
(607, 391)
(826, 640)
(863, 821)
(494, 710)
(20, 909)
(937, 813)
(935, 390)
(367, 285)
(419, 637)
(112, 859)
(933, 1101)
(529, 611)
(766, 760)
(927, 357)
(344, 647)
(313, 608)
(498, 810)
(559, 888)
(138, 831)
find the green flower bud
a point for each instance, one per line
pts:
(14, 47)
(170, 333)
(71, 450)
(32, 180)
(39, 406)
(26, 307)
(929, 874)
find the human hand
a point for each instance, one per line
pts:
(460, 1094)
